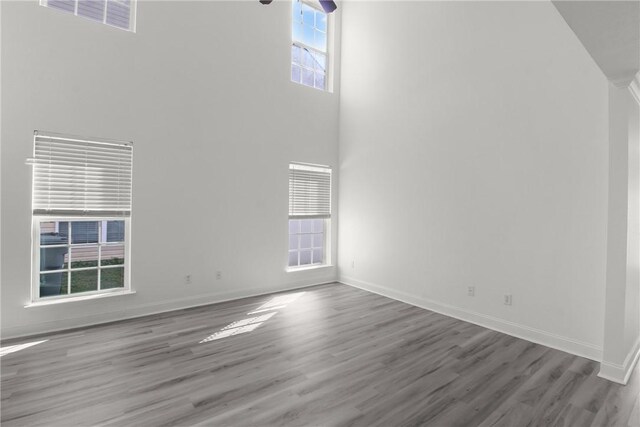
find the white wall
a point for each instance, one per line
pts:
(203, 90)
(473, 152)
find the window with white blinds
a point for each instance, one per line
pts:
(81, 216)
(309, 215)
(81, 177)
(309, 191)
(117, 13)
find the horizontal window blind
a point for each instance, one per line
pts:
(76, 176)
(118, 13)
(309, 191)
(112, 12)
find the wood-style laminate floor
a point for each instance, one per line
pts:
(327, 355)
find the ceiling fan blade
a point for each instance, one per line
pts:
(328, 5)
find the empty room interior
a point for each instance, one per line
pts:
(319, 213)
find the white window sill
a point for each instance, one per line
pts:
(305, 268)
(45, 302)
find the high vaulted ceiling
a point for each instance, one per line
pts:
(610, 31)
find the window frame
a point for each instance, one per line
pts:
(327, 67)
(132, 14)
(35, 258)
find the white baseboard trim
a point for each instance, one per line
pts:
(620, 373)
(200, 300)
(537, 336)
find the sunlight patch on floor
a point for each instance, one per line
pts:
(251, 323)
(278, 302)
(13, 348)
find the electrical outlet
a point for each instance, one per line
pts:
(471, 291)
(218, 275)
(507, 299)
(187, 279)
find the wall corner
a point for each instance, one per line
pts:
(634, 87)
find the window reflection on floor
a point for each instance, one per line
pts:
(249, 324)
